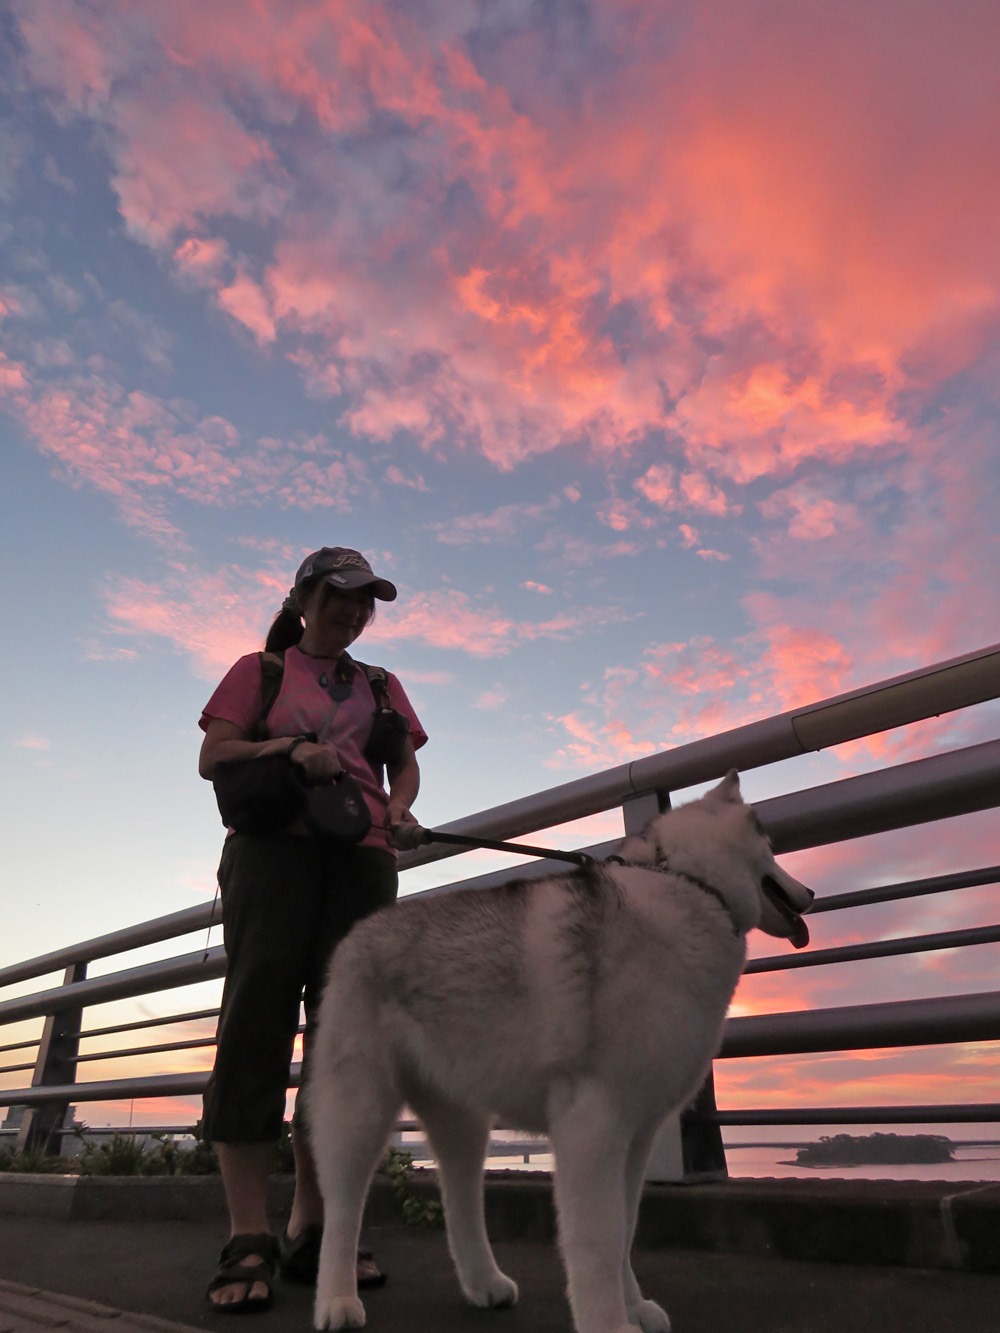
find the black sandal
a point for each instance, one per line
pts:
(231, 1271)
(373, 1279)
(300, 1256)
(300, 1260)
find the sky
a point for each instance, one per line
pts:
(650, 348)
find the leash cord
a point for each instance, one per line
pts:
(461, 840)
(211, 922)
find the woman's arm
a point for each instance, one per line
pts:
(225, 741)
(404, 783)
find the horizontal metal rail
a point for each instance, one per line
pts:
(932, 1022)
(933, 690)
(957, 683)
(193, 1044)
(19, 1045)
(955, 783)
(160, 928)
(172, 972)
(965, 1113)
(852, 953)
(828, 806)
(960, 782)
(913, 888)
(147, 1023)
(117, 1089)
(897, 1023)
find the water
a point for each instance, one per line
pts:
(759, 1161)
(763, 1161)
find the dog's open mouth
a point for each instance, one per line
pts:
(798, 931)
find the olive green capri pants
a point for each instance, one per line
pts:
(287, 901)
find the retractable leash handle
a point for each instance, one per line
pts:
(425, 835)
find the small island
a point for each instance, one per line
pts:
(875, 1149)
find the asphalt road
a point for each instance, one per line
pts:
(160, 1268)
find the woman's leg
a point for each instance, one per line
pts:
(271, 896)
(245, 1168)
(361, 880)
(307, 1202)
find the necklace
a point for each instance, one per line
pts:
(339, 686)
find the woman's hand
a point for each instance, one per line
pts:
(320, 763)
(400, 824)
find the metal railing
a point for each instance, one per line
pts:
(953, 783)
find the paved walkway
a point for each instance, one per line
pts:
(156, 1271)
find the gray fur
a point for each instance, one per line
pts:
(587, 1005)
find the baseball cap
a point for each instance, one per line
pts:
(343, 568)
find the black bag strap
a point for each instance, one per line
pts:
(378, 679)
(272, 670)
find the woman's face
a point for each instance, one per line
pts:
(334, 617)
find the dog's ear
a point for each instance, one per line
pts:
(728, 789)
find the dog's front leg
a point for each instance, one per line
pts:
(350, 1113)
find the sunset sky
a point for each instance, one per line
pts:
(650, 348)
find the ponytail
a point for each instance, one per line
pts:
(286, 627)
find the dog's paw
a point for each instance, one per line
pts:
(650, 1317)
(499, 1292)
(335, 1312)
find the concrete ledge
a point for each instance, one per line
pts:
(910, 1224)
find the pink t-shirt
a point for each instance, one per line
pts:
(304, 705)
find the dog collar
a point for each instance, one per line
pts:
(665, 868)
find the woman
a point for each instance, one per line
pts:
(288, 898)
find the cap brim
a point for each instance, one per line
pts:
(357, 578)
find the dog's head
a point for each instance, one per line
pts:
(720, 839)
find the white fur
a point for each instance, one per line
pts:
(585, 1006)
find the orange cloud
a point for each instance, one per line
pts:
(759, 232)
(214, 618)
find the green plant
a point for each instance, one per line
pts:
(121, 1155)
(418, 1211)
(199, 1160)
(35, 1161)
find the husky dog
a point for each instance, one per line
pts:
(587, 1006)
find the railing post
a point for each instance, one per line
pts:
(686, 1147)
(42, 1126)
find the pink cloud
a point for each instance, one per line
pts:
(246, 302)
(186, 159)
(144, 452)
(811, 516)
(31, 741)
(490, 700)
(214, 618)
(670, 489)
(201, 258)
(453, 620)
(718, 197)
(500, 525)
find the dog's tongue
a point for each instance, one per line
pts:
(798, 931)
